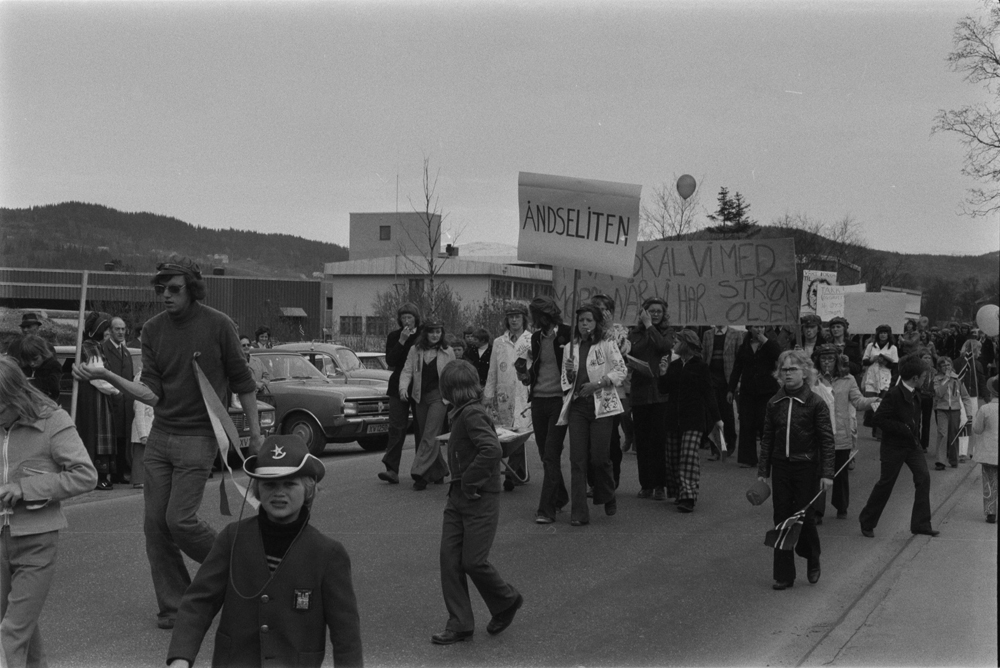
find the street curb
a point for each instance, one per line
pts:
(828, 648)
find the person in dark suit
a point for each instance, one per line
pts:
(472, 511)
(280, 583)
(119, 361)
(397, 347)
(898, 418)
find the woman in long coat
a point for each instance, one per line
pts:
(753, 372)
(424, 364)
(94, 420)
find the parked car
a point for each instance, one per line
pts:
(373, 360)
(66, 355)
(324, 409)
(339, 363)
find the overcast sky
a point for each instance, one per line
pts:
(287, 116)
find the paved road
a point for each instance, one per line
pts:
(647, 587)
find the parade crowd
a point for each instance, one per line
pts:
(787, 401)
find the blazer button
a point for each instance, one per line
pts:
(265, 598)
(264, 629)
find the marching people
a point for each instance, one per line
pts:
(118, 360)
(504, 393)
(397, 348)
(618, 333)
(650, 340)
(280, 583)
(472, 511)
(543, 366)
(898, 417)
(753, 373)
(590, 373)
(985, 425)
(691, 413)
(720, 345)
(847, 400)
(840, 338)
(40, 365)
(45, 463)
(184, 341)
(949, 395)
(94, 418)
(424, 363)
(797, 454)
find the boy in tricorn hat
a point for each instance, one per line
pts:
(281, 584)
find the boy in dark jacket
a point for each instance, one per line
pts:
(472, 511)
(280, 583)
(397, 347)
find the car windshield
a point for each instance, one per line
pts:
(347, 360)
(287, 367)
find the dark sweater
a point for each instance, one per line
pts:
(46, 378)
(169, 345)
(277, 538)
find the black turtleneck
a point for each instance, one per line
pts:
(277, 538)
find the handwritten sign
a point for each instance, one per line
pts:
(867, 310)
(811, 280)
(740, 282)
(830, 299)
(583, 223)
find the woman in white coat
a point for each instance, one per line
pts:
(590, 374)
(504, 393)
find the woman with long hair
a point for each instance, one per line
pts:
(882, 350)
(424, 364)
(44, 463)
(797, 453)
(590, 373)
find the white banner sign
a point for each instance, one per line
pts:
(578, 223)
(830, 299)
(867, 310)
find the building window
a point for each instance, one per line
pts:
(376, 326)
(500, 289)
(329, 303)
(416, 288)
(385, 232)
(350, 325)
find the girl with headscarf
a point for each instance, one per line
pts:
(93, 409)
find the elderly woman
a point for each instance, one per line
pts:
(590, 372)
(797, 453)
(846, 399)
(424, 364)
(985, 426)
(44, 463)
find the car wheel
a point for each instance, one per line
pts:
(309, 430)
(374, 443)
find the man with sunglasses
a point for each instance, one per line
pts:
(260, 374)
(181, 447)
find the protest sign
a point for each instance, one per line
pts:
(913, 300)
(867, 310)
(579, 223)
(811, 280)
(738, 282)
(830, 299)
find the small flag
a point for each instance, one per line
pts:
(786, 534)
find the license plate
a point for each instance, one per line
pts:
(378, 428)
(244, 442)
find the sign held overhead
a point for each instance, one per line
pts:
(580, 223)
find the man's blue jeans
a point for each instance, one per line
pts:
(176, 468)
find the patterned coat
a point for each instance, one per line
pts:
(603, 360)
(503, 392)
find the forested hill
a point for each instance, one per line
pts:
(74, 235)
